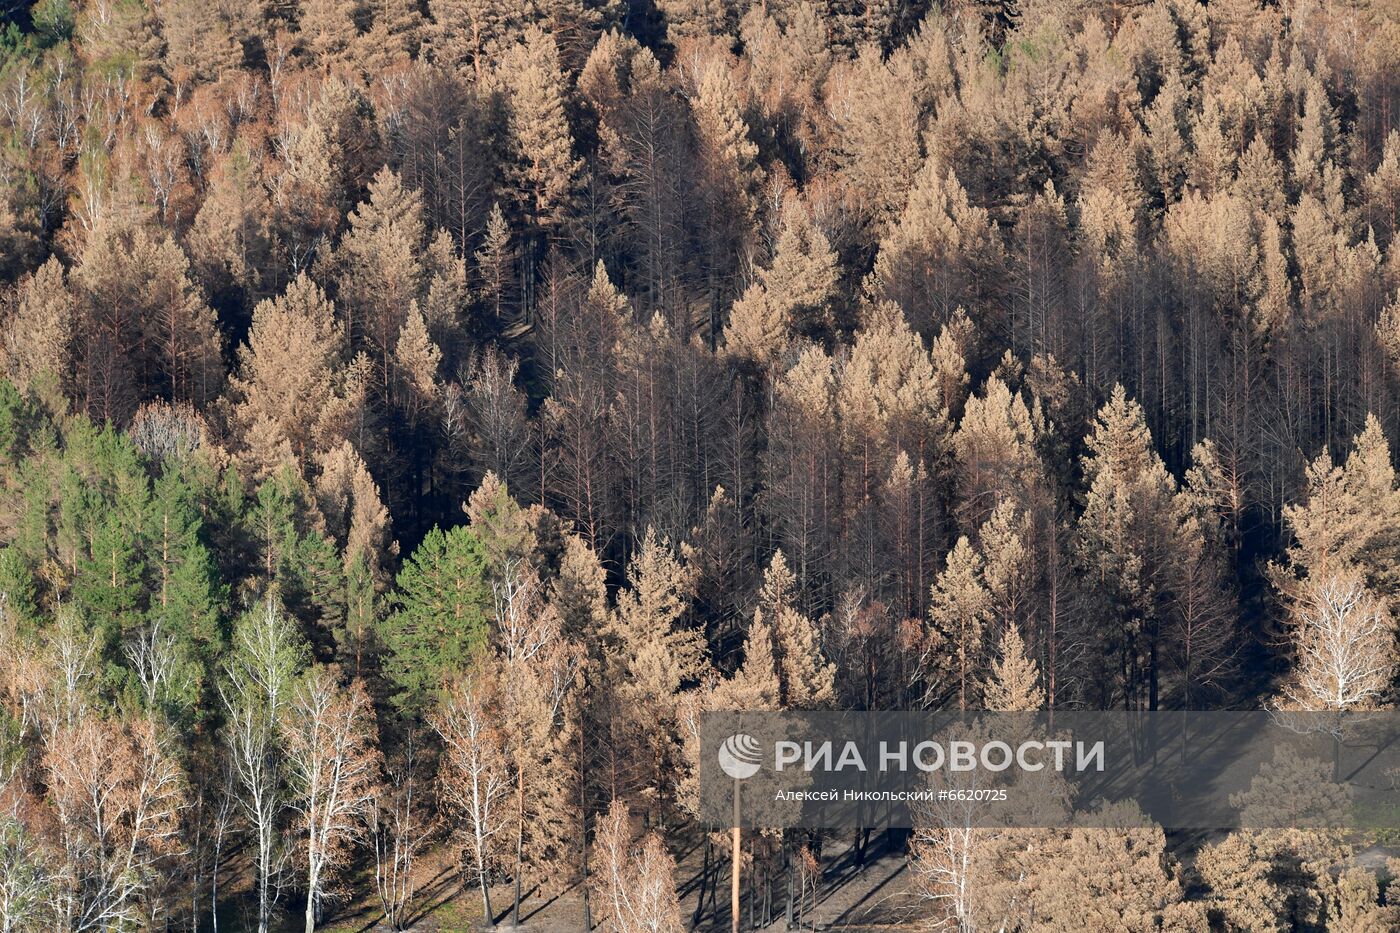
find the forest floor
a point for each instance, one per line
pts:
(852, 899)
(872, 898)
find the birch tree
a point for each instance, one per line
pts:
(116, 797)
(24, 879)
(634, 879)
(1344, 641)
(402, 827)
(333, 761)
(258, 686)
(474, 780)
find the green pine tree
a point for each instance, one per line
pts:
(111, 492)
(17, 588)
(441, 613)
(271, 524)
(185, 594)
(355, 637)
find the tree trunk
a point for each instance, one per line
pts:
(313, 882)
(214, 869)
(489, 921)
(264, 872)
(583, 827)
(519, 845)
(788, 913)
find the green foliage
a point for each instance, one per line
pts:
(354, 637)
(107, 583)
(185, 595)
(91, 528)
(11, 745)
(25, 874)
(32, 534)
(265, 656)
(17, 588)
(275, 523)
(441, 613)
(289, 554)
(16, 415)
(14, 47)
(316, 594)
(50, 23)
(53, 22)
(272, 527)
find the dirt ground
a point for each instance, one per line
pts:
(851, 899)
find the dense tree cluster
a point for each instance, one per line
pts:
(416, 414)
